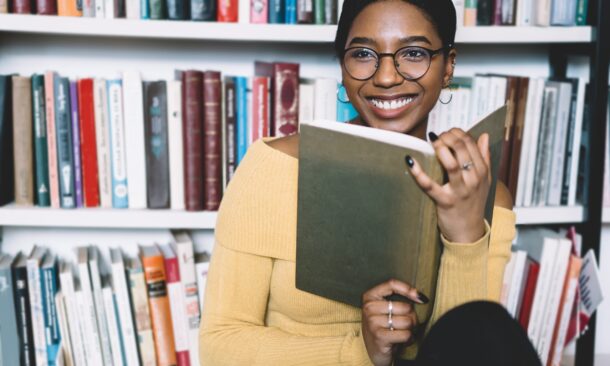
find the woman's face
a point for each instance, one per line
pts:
(385, 27)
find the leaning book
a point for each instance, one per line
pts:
(362, 219)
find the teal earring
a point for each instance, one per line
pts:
(342, 94)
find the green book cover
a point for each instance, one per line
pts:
(158, 9)
(581, 12)
(362, 219)
(41, 158)
(319, 13)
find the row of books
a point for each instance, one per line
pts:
(546, 139)
(143, 310)
(124, 143)
(550, 289)
(261, 11)
(522, 12)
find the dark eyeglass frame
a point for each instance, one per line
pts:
(393, 55)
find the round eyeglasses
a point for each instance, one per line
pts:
(412, 62)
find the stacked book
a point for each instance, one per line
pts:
(133, 311)
(546, 133)
(125, 143)
(522, 12)
(550, 289)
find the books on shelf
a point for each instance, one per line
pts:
(59, 312)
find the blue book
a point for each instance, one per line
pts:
(276, 12)
(118, 157)
(144, 9)
(291, 11)
(241, 97)
(63, 132)
(49, 287)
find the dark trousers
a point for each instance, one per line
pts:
(476, 334)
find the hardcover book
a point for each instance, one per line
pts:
(78, 167)
(65, 155)
(41, 150)
(120, 198)
(139, 308)
(88, 144)
(23, 144)
(212, 134)
(7, 191)
(347, 244)
(49, 92)
(37, 309)
(192, 85)
(22, 310)
(230, 128)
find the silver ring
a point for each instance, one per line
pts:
(467, 165)
(390, 322)
(390, 308)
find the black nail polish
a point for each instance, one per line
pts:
(423, 298)
(409, 161)
(432, 136)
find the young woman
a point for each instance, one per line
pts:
(396, 56)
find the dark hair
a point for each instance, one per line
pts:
(440, 12)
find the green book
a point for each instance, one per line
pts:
(582, 7)
(362, 219)
(41, 157)
(319, 13)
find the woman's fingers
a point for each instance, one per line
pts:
(381, 322)
(443, 146)
(391, 287)
(474, 153)
(399, 308)
(427, 184)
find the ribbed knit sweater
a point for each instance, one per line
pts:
(254, 315)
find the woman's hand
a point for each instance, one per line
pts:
(382, 331)
(460, 202)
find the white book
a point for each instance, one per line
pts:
(566, 312)
(526, 143)
(66, 342)
(517, 282)
(480, 87)
(580, 106)
(100, 311)
(202, 265)
(113, 325)
(99, 8)
(434, 119)
(66, 279)
(243, 11)
(121, 291)
(84, 324)
(542, 13)
(132, 9)
(497, 93)
(532, 126)
(524, 13)
(139, 301)
(87, 311)
(88, 8)
(102, 138)
(117, 144)
(176, 153)
(183, 246)
(36, 309)
(506, 280)
(544, 146)
(109, 9)
(325, 99)
(306, 100)
(177, 303)
(555, 290)
(559, 135)
(133, 102)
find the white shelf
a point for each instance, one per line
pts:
(166, 29)
(549, 215)
(105, 218)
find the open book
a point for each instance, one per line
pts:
(362, 219)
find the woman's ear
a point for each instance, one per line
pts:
(449, 67)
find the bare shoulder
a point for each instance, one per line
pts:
(503, 196)
(288, 145)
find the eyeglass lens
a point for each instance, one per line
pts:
(411, 62)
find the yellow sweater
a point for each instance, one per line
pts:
(254, 315)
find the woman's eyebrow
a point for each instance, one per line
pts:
(413, 39)
(362, 40)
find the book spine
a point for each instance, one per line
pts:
(242, 117)
(188, 277)
(37, 311)
(176, 148)
(276, 11)
(144, 9)
(160, 314)
(306, 101)
(484, 12)
(497, 12)
(65, 157)
(305, 11)
(582, 7)
(133, 9)
(102, 135)
(89, 318)
(100, 312)
(526, 145)
(23, 144)
(260, 108)
(290, 9)
(78, 173)
(470, 13)
(227, 11)
(578, 130)
(67, 288)
(203, 10)
(157, 153)
(64, 330)
(212, 147)
(8, 318)
(259, 10)
(46, 7)
(123, 303)
(21, 7)
(88, 8)
(142, 316)
(330, 11)
(201, 271)
(176, 9)
(193, 139)
(230, 131)
(24, 317)
(158, 9)
(88, 144)
(99, 8)
(318, 11)
(69, 8)
(325, 94)
(286, 99)
(569, 147)
(120, 198)
(113, 325)
(43, 198)
(3, 6)
(175, 291)
(51, 321)
(560, 132)
(7, 189)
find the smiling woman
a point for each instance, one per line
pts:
(395, 57)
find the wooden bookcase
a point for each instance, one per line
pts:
(82, 47)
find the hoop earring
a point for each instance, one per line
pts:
(450, 97)
(342, 94)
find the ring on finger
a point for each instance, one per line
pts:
(467, 165)
(390, 322)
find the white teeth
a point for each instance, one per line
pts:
(394, 104)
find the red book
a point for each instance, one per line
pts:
(46, 7)
(260, 107)
(285, 95)
(212, 146)
(192, 129)
(528, 294)
(227, 11)
(88, 145)
(21, 7)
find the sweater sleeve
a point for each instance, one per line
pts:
(474, 271)
(233, 330)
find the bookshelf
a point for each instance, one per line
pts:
(78, 47)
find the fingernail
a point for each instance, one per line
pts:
(423, 298)
(432, 136)
(409, 161)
